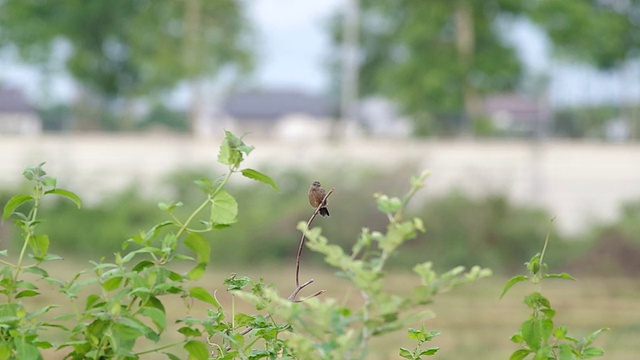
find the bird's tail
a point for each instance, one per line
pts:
(324, 211)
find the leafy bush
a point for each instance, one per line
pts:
(538, 336)
(129, 304)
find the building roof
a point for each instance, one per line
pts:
(13, 100)
(515, 104)
(272, 105)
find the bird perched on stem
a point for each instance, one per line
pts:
(316, 194)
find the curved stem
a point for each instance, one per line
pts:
(313, 216)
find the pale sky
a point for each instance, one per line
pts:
(292, 48)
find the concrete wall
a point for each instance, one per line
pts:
(578, 182)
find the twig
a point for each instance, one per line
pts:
(299, 287)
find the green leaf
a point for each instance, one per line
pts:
(132, 327)
(34, 172)
(224, 208)
(559, 276)
(592, 352)
(231, 150)
(205, 185)
(514, 280)
(25, 350)
(39, 245)
(37, 270)
(566, 352)
(169, 206)
(534, 264)
(237, 143)
(197, 272)
(406, 354)
(68, 194)
(234, 283)
(171, 356)
(156, 315)
(203, 295)
(48, 181)
(258, 176)
(543, 353)
(388, 205)
(112, 283)
(591, 338)
(224, 155)
(27, 293)
(531, 333)
(520, 354)
(196, 350)
(13, 203)
(546, 328)
(560, 332)
(189, 331)
(430, 351)
(199, 246)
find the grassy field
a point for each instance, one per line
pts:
(474, 323)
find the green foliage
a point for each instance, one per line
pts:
(583, 29)
(118, 310)
(55, 118)
(428, 56)
(538, 336)
(162, 116)
(20, 328)
(489, 231)
(129, 305)
(134, 48)
(421, 336)
(588, 122)
(331, 330)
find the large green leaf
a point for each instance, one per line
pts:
(68, 194)
(196, 350)
(224, 209)
(258, 176)
(199, 246)
(203, 295)
(13, 203)
(514, 280)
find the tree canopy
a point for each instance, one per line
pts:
(437, 59)
(126, 49)
(604, 33)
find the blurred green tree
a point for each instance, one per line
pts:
(436, 58)
(602, 33)
(123, 50)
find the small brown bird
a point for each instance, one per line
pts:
(316, 194)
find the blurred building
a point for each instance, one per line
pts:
(278, 114)
(518, 115)
(16, 115)
(381, 118)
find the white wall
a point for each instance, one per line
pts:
(578, 182)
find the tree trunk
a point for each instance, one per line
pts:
(465, 44)
(192, 54)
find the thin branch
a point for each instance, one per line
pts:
(299, 287)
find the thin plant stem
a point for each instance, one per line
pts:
(299, 255)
